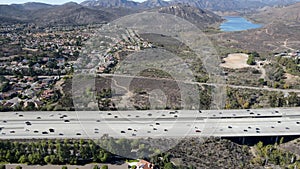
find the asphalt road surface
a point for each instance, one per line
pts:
(151, 123)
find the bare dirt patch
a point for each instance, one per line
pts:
(291, 80)
(235, 61)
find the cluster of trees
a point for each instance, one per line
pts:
(244, 99)
(195, 153)
(291, 65)
(275, 72)
(53, 152)
(163, 160)
(272, 155)
(94, 167)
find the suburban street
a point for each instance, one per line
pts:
(151, 123)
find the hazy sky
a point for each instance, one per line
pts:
(43, 1)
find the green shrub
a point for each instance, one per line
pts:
(18, 167)
(104, 167)
(96, 167)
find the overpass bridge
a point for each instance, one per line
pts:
(150, 123)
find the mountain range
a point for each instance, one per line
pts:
(99, 11)
(216, 5)
(287, 14)
(43, 14)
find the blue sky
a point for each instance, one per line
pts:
(43, 1)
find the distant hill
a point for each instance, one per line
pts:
(13, 12)
(99, 11)
(70, 13)
(278, 2)
(200, 17)
(110, 3)
(66, 14)
(289, 14)
(154, 3)
(32, 6)
(216, 5)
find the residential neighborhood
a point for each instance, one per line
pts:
(34, 59)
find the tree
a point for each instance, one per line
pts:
(254, 54)
(47, 159)
(293, 99)
(9, 157)
(53, 159)
(30, 106)
(104, 167)
(96, 167)
(5, 87)
(64, 167)
(251, 60)
(169, 165)
(2, 166)
(22, 159)
(18, 167)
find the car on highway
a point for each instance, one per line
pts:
(28, 123)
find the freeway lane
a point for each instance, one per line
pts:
(151, 123)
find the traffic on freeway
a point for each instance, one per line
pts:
(151, 123)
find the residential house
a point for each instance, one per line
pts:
(143, 164)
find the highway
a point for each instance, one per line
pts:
(151, 123)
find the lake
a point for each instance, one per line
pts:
(237, 23)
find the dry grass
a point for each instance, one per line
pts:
(291, 80)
